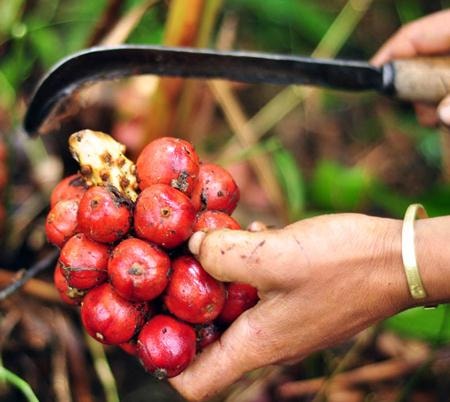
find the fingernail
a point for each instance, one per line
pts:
(256, 226)
(444, 113)
(195, 242)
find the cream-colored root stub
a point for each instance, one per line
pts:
(102, 161)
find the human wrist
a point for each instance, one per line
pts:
(392, 279)
(433, 258)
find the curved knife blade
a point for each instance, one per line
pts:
(102, 63)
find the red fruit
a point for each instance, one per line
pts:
(84, 262)
(166, 346)
(168, 160)
(138, 271)
(192, 294)
(68, 295)
(129, 347)
(211, 220)
(104, 215)
(61, 223)
(215, 189)
(110, 318)
(70, 188)
(164, 216)
(207, 334)
(240, 297)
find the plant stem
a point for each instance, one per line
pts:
(192, 89)
(181, 29)
(41, 265)
(19, 383)
(103, 369)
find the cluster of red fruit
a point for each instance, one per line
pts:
(127, 263)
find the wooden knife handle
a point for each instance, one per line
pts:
(425, 79)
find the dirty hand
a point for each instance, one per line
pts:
(427, 36)
(320, 281)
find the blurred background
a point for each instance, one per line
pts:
(294, 151)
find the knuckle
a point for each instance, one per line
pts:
(208, 250)
(407, 30)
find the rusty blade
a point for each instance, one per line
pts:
(101, 63)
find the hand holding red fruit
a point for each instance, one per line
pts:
(93, 219)
(320, 281)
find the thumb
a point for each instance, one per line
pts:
(241, 348)
(239, 255)
(444, 111)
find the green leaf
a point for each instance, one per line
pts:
(408, 10)
(335, 187)
(47, 46)
(149, 30)
(392, 202)
(294, 19)
(291, 180)
(427, 324)
(431, 150)
(16, 66)
(437, 200)
(7, 92)
(9, 14)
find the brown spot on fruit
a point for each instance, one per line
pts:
(104, 175)
(165, 212)
(124, 182)
(86, 170)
